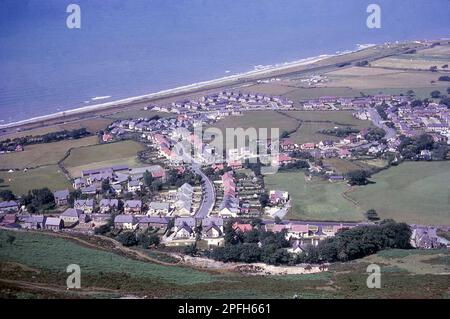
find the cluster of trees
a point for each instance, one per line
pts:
(358, 242)
(10, 144)
(7, 195)
(300, 164)
(362, 63)
(358, 177)
(411, 147)
(374, 134)
(340, 131)
(380, 109)
(145, 239)
(255, 246)
(38, 200)
(444, 78)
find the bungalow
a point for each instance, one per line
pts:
(34, 222)
(297, 231)
(132, 206)
(134, 186)
(158, 208)
(53, 223)
(344, 153)
(79, 183)
(71, 216)
(184, 228)
(212, 231)
(154, 222)
(287, 144)
(86, 205)
(278, 197)
(308, 146)
(244, 228)
(61, 197)
(159, 174)
(9, 206)
(124, 222)
(117, 188)
(282, 159)
(107, 205)
(89, 190)
(327, 144)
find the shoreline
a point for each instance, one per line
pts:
(259, 72)
(186, 89)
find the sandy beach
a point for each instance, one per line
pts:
(260, 72)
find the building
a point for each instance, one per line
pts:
(53, 223)
(154, 222)
(158, 208)
(212, 231)
(124, 222)
(108, 205)
(277, 197)
(34, 222)
(86, 205)
(184, 228)
(71, 216)
(61, 197)
(10, 206)
(132, 206)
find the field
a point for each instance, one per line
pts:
(414, 192)
(314, 200)
(34, 266)
(410, 62)
(21, 182)
(102, 155)
(314, 121)
(43, 154)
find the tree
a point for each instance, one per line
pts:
(444, 78)
(127, 238)
(105, 186)
(416, 103)
(191, 250)
(435, 94)
(11, 239)
(7, 195)
(372, 215)
(358, 177)
(278, 220)
(448, 90)
(264, 199)
(148, 178)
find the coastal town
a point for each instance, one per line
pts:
(184, 198)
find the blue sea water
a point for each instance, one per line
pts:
(129, 48)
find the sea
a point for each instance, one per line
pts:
(135, 47)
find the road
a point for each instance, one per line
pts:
(209, 194)
(378, 122)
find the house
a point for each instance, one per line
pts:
(159, 174)
(154, 222)
(117, 189)
(9, 219)
(10, 206)
(336, 178)
(158, 208)
(308, 146)
(212, 231)
(61, 197)
(184, 200)
(107, 205)
(53, 223)
(184, 228)
(134, 186)
(244, 228)
(287, 144)
(132, 206)
(79, 183)
(327, 144)
(278, 197)
(282, 159)
(89, 190)
(71, 216)
(86, 205)
(296, 247)
(124, 222)
(34, 222)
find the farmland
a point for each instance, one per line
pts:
(34, 265)
(42, 154)
(314, 200)
(102, 155)
(20, 182)
(414, 192)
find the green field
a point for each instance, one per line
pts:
(414, 192)
(40, 261)
(21, 182)
(314, 200)
(102, 155)
(43, 154)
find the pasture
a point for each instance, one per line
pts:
(102, 155)
(42, 154)
(20, 182)
(315, 199)
(413, 192)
